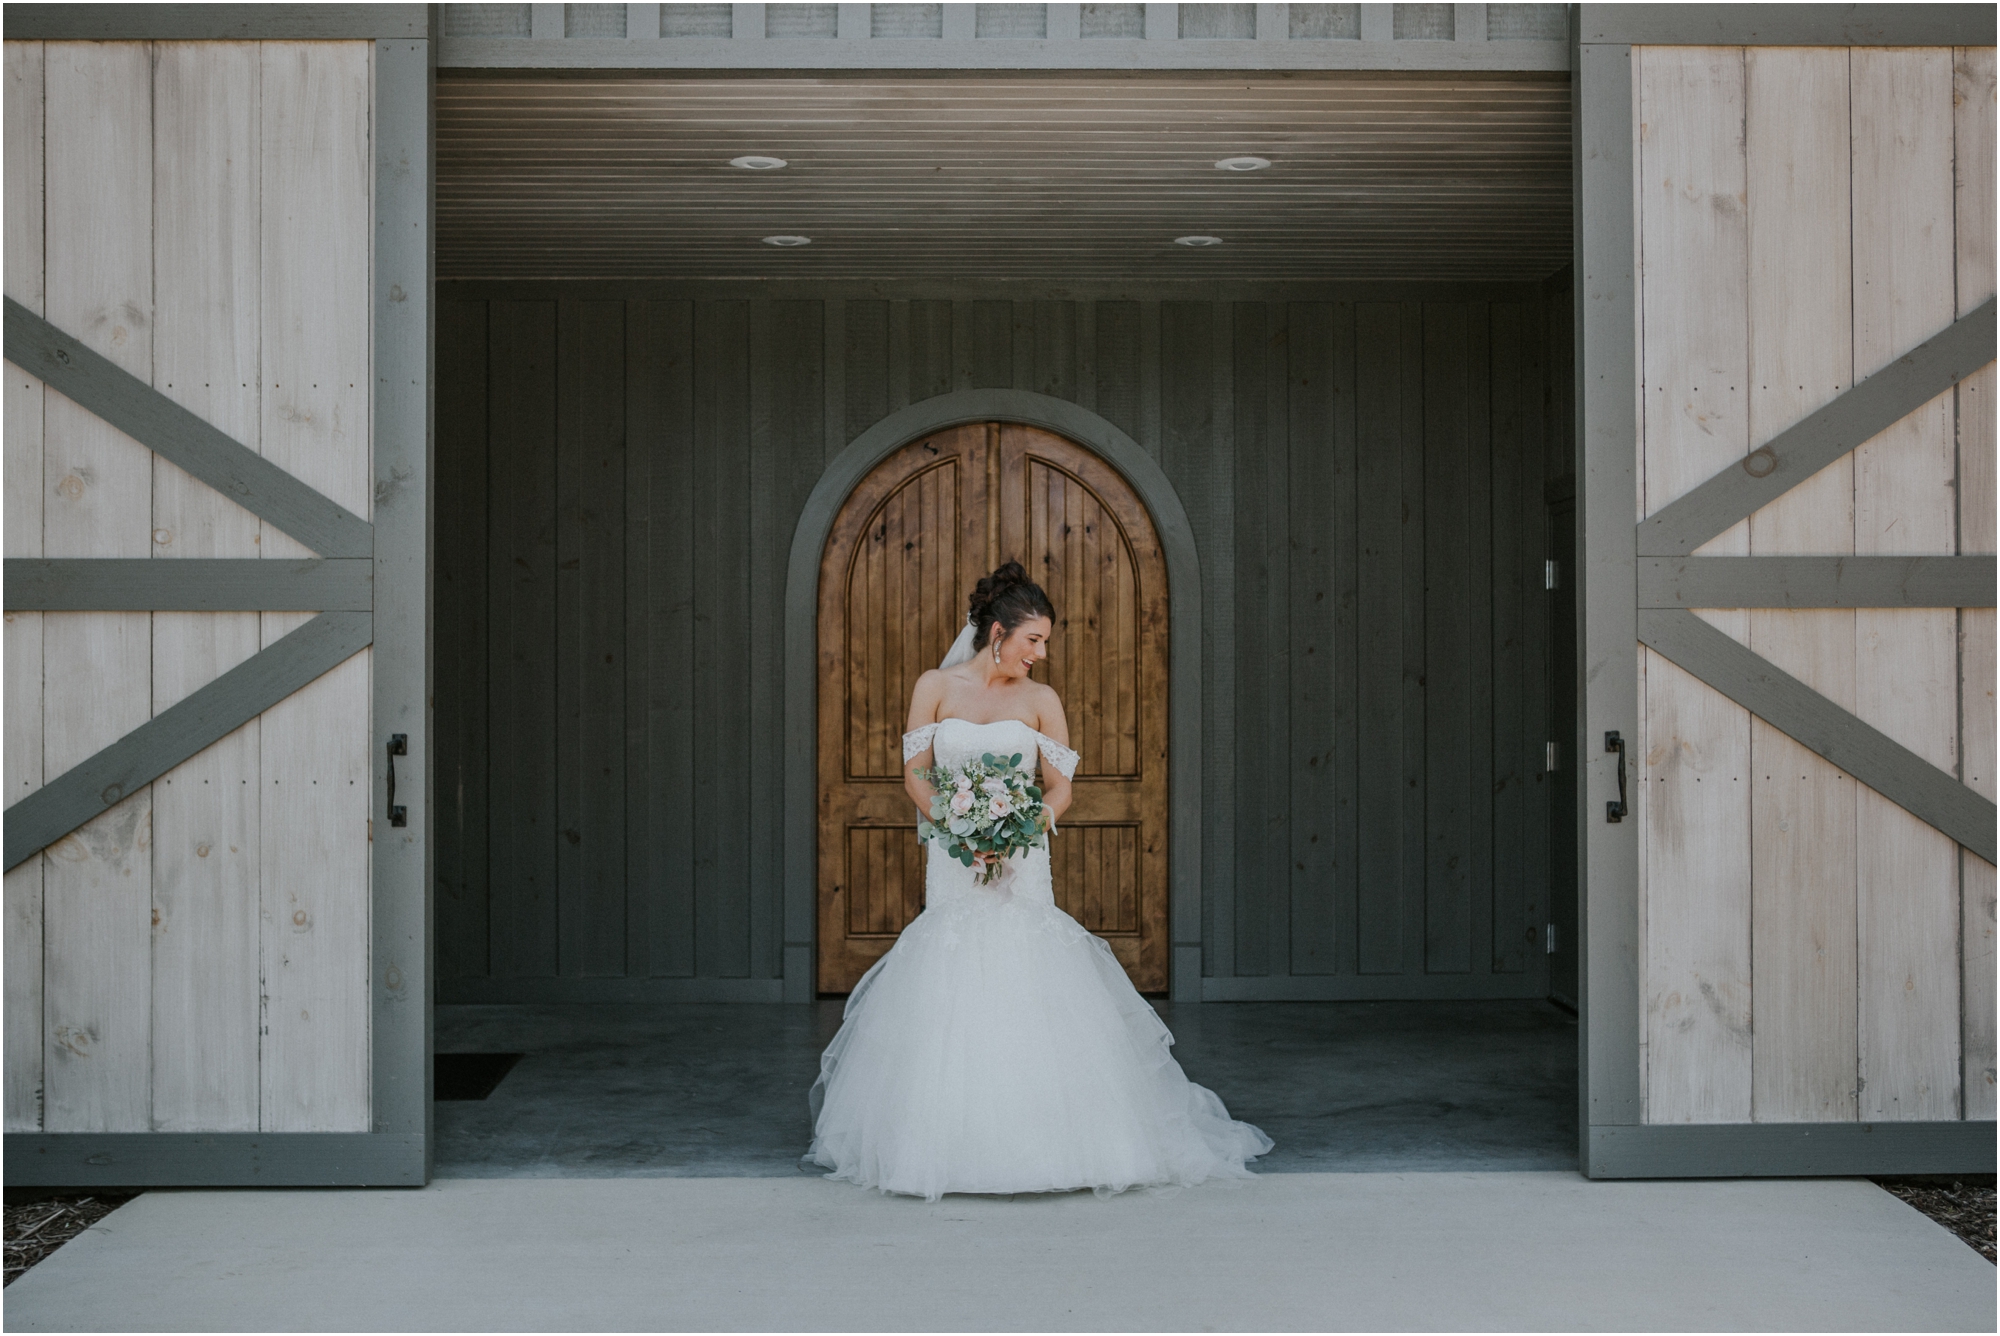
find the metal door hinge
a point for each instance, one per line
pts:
(1552, 939)
(1549, 574)
(1552, 759)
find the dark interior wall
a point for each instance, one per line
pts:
(620, 470)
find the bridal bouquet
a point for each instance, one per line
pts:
(984, 807)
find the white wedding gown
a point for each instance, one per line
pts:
(998, 1047)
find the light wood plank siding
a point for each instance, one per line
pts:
(207, 840)
(317, 228)
(1905, 659)
(195, 959)
(1973, 128)
(1309, 440)
(1810, 950)
(21, 435)
(1803, 848)
(97, 667)
(964, 36)
(1697, 747)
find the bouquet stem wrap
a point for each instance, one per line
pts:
(988, 806)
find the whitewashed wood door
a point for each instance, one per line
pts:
(1812, 949)
(196, 958)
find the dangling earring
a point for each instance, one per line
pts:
(996, 651)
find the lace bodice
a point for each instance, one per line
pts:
(1033, 741)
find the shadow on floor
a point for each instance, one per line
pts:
(719, 1091)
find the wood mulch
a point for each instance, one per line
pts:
(1962, 1205)
(34, 1229)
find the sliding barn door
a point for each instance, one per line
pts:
(202, 684)
(904, 554)
(1808, 825)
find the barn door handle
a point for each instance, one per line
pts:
(399, 745)
(1615, 809)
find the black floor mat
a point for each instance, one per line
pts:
(469, 1075)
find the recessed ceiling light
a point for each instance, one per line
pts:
(758, 162)
(1245, 164)
(788, 241)
(1197, 241)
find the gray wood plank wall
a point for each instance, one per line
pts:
(621, 469)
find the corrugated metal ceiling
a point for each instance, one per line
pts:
(1062, 178)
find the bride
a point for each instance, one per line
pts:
(998, 1047)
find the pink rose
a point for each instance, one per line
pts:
(961, 802)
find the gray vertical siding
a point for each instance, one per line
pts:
(622, 467)
(461, 670)
(719, 643)
(662, 383)
(590, 643)
(520, 751)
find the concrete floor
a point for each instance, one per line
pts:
(638, 1171)
(1536, 1251)
(720, 1091)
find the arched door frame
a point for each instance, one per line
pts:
(1170, 519)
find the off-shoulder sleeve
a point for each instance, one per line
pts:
(916, 740)
(1057, 755)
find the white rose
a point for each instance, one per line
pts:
(965, 783)
(995, 786)
(1000, 806)
(961, 802)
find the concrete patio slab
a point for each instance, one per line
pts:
(1288, 1252)
(719, 1090)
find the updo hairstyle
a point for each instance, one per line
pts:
(1008, 597)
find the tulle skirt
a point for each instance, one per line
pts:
(998, 1047)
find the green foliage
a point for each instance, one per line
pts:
(987, 806)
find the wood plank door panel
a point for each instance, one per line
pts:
(906, 550)
(1086, 539)
(909, 544)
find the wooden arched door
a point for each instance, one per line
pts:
(904, 554)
